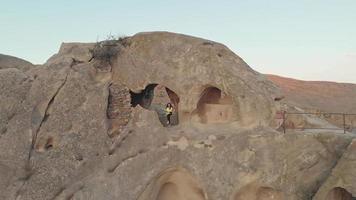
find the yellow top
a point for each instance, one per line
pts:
(169, 110)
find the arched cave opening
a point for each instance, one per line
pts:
(155, 97)
(339, 193)
(214, 106)
(174, 183)
(143, 98)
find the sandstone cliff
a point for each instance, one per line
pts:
(87, 124)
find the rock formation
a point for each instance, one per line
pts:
(341, 183)
(88, 124)
(191, 66)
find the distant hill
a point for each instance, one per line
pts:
(318, 95)
(7, 61)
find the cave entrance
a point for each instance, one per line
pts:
(339, 193)
(174, 184)
(214, 106)
(155, 97)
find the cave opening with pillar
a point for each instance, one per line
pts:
(174, 184)
(155, 97)
(339, 193)
(215, 106)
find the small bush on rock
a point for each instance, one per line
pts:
(104, 51)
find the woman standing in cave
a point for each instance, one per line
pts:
(169, 112)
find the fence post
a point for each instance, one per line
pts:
(343, 117)
(284, 121)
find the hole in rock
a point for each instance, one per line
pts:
(49, 143)
(174, 184)
(214, 106)
(45, 144)
(339, 193)
(155, 97)
(255, 192)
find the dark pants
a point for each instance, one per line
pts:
(169, 117)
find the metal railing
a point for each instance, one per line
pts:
(344, 117)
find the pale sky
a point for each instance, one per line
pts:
(304, 39)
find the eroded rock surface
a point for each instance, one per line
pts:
(187, 66)
(79, 127)
(341, 183)
(13, 62)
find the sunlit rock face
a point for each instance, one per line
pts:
(341, 183)
(82, 126)
(191, 67)
(174, 183)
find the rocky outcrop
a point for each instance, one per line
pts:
(341, 183)
(50, 116)
(291, 166)
(187, 66)
(79, 127)
(13, 62)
